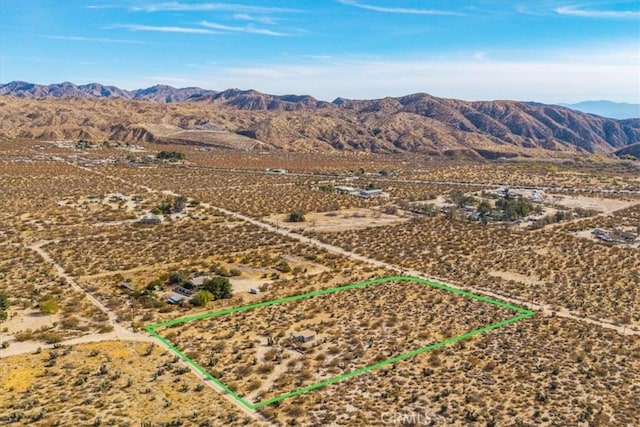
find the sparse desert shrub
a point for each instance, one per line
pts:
(26, 335)
(48, 306)
(265, 368)
(296, 216)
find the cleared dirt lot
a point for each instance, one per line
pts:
(343, 219)
(591, 203)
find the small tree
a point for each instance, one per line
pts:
(4, 302)
(176, 278)
(371, 186)
(163, 208)
(460, 199)
(220, 287)
(484, 210)
(296, 216)
(179, 203)
(4, 305)
(48, 306)
(202, 298)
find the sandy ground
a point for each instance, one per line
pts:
(279, 369)
(594, 203)
(344, 219)
(20, 320)
(522, 278)
(252, 277)
(32, 346)
(441, 201)
(245, 284)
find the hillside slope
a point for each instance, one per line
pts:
(417, 123)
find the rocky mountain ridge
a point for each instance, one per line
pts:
(418, 122)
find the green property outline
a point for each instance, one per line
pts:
(522, 314)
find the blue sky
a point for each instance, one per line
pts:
(541, 50)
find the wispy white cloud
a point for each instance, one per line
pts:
(254, 18)
(393, 9)
(163, 29)
(250, 29)
(202, 7)
(593, 13)
(92, 39)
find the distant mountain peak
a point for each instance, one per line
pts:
(614, 110)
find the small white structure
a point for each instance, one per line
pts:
(151, 218)
(374, 192)
(254, 291)
(537, 196)
(127, 286)
(345, 189)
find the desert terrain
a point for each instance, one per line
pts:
(96, 244)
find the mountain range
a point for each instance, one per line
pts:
(246, 119)
(251, 100)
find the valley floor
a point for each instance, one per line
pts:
(71, 237)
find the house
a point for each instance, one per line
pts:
(151, 219)
(175, 298)
(370, 193)
(304, 336)
(197, 282)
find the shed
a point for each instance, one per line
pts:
(151, 219)
(175, 298)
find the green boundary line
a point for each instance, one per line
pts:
(522, 314)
